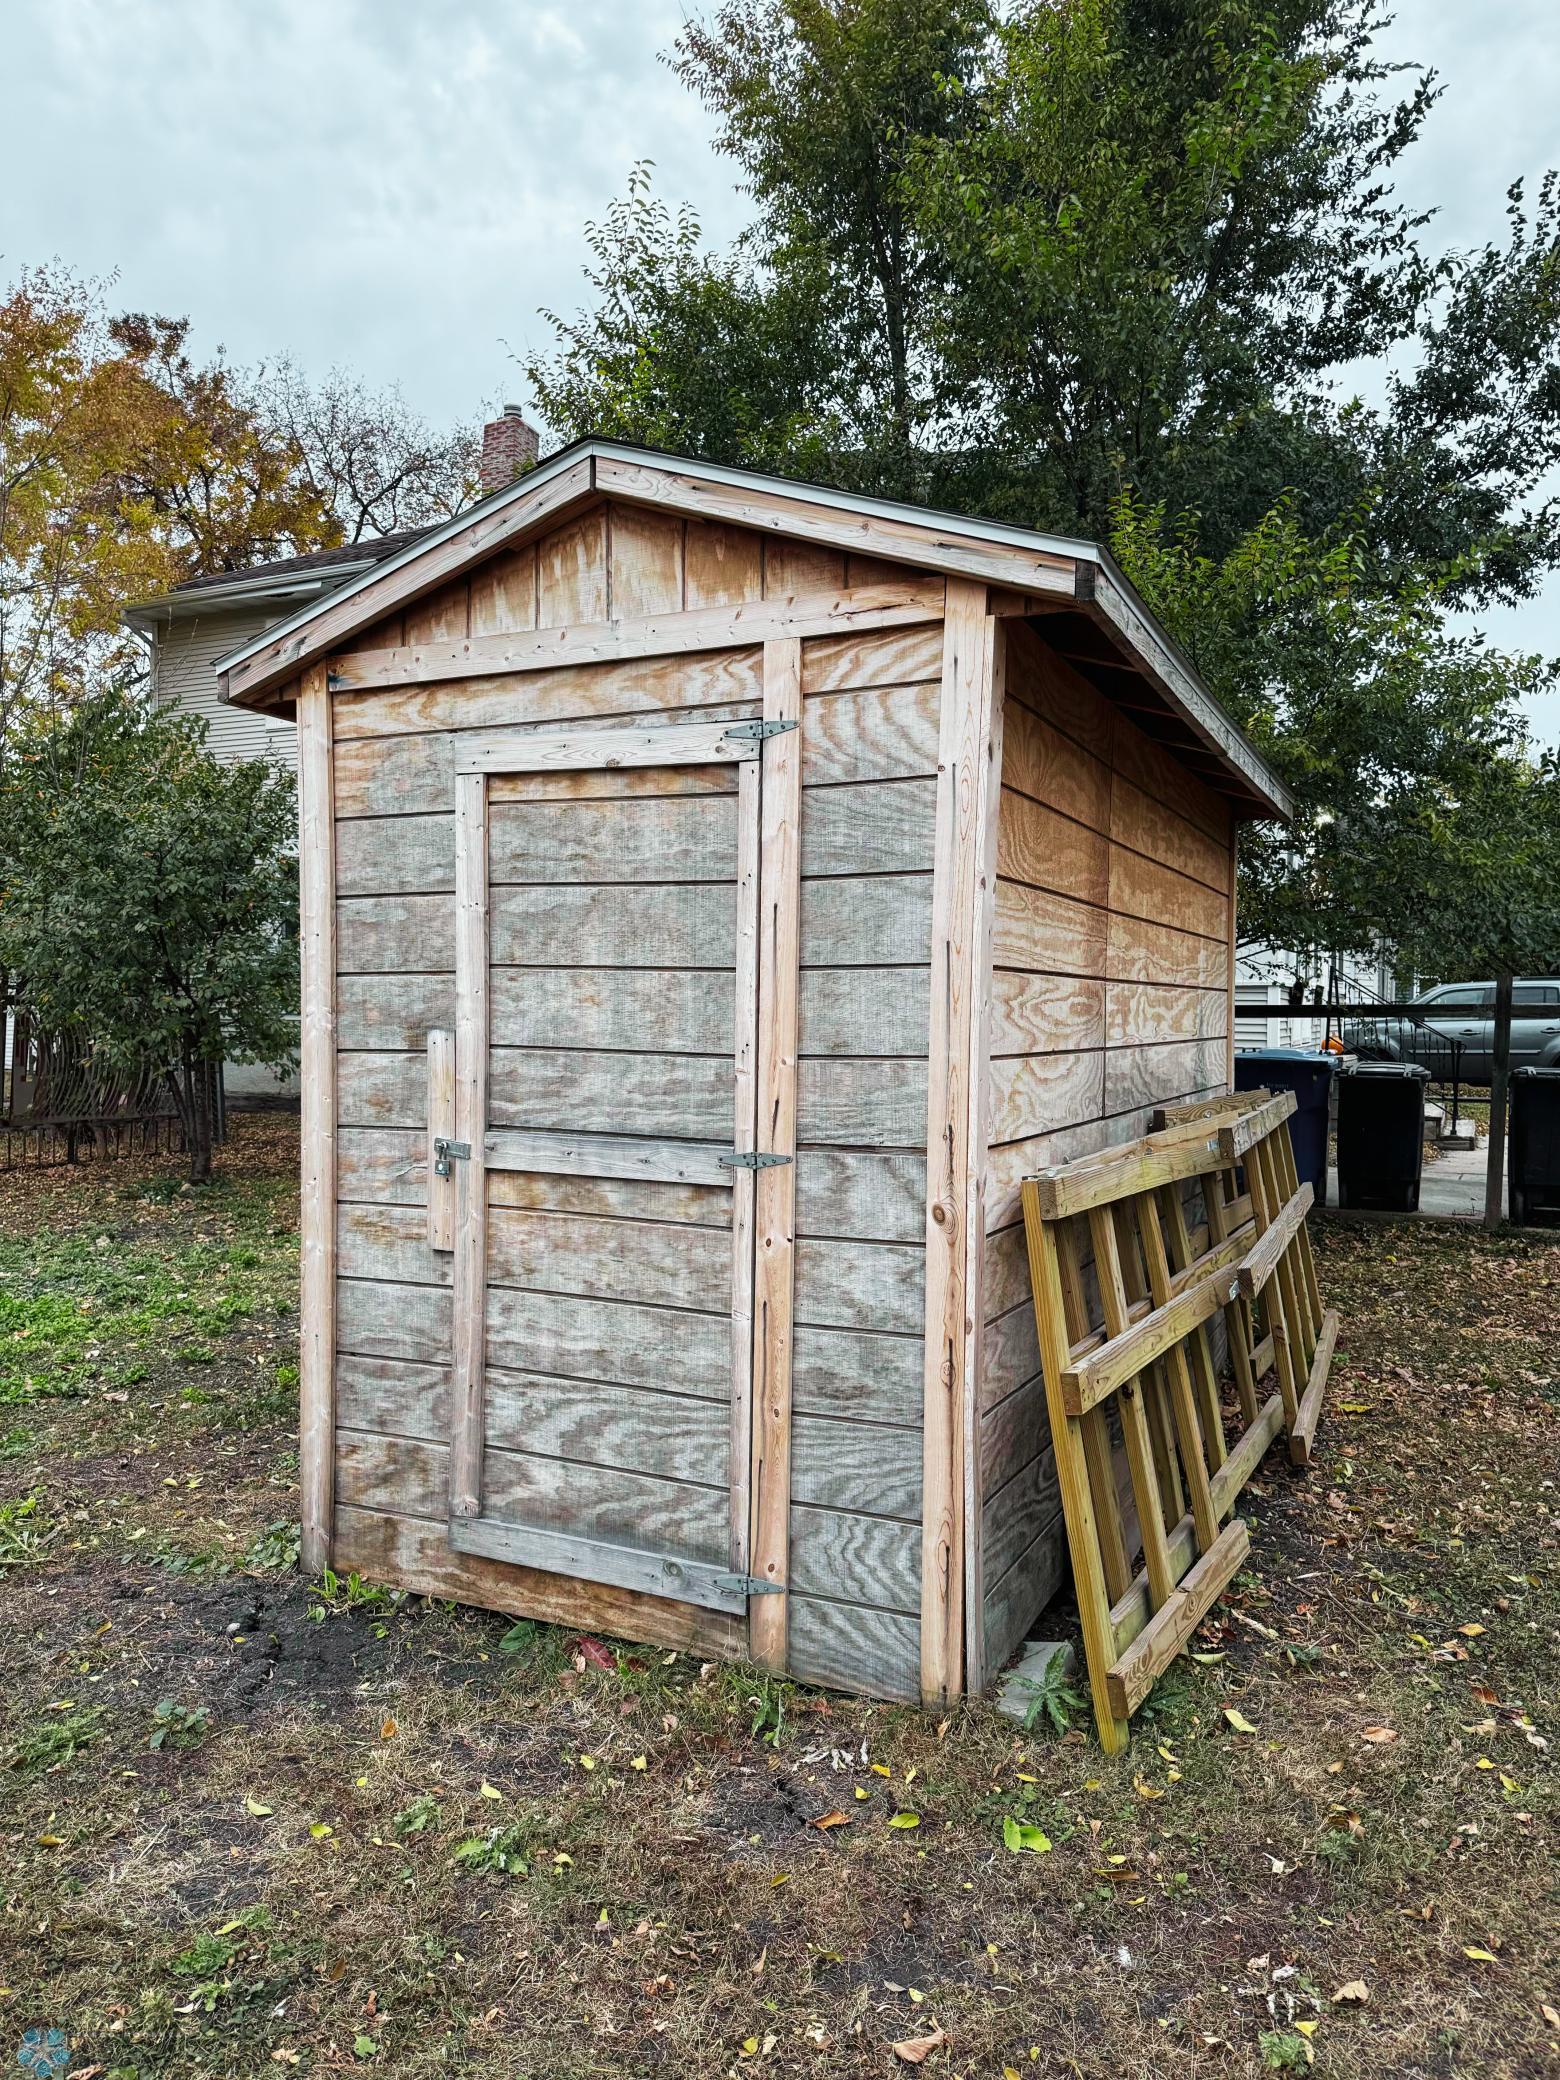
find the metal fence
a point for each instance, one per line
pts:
(58, 1105)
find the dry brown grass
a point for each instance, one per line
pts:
(285, 1885)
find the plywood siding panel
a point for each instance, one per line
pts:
(503, 594)
(1112, 921)
(571, 573)
(793, 567)
(646, 562)
(1040, 846)
(1039, 761)
(597, 694)
(892, 657)
(878, 733)
(724, 565)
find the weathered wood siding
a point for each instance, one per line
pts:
(869, 755)
(1109, 996)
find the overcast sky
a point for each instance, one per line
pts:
(398, 187)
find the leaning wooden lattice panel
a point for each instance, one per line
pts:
(1149, 1459)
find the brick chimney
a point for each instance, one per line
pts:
(509, 447)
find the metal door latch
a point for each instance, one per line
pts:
(757, 732)
(751, 1160)
(445, 1152)
(749, 1585)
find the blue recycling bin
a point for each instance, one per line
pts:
(1309, 1076)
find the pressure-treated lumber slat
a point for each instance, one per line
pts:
(1204, 1380)
(1311, 1401)
(1083, 1542)
(1171, 1627)
(1146, 1485)
(1183, 1401)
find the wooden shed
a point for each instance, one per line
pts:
(718, 892)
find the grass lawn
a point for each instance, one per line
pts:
(253, 1823)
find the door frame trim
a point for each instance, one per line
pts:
(666, 744)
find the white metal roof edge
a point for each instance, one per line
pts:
(308, 586)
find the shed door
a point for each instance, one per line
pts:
(607, 1005)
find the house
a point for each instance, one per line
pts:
(189, 628)
(719, 892)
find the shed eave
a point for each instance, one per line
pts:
(1084, 570)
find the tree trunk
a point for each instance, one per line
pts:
(1500, 1080)
(190, 1084)
(199, 1074)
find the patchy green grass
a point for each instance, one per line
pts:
(379, 1831)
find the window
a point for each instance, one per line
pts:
(1473, 998)
(1535, 996)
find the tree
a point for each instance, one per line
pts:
(148, 897)
(1108, 269)
(372, 463)
(127, 465)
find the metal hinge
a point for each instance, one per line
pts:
(751, 1160)
(749, 1585)
(445, 1152)
(757, 732)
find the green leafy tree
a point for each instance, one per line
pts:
(1109, 268)
(148, 897)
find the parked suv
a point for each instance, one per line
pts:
(1464, 1012)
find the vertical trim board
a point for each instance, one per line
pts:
(963, 785)
(471, 1100)
(317, 1067)
(775, 1209)
(988, 817)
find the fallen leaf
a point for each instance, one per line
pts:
(905, 1820)
(1238, 1721)
(1479, 1956)
(1550, 2015)
(834, 1819)
(388, 1728)
(1379, 1735)
(916, 2050)
(1354, 1994)
(321, 1831)
(595, 1653)
(490, 1790)
(258, 1807)
(1016, 1835)
(1470, 1631)
(640, 1762)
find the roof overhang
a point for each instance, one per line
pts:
(1055, 573)
(298, 590)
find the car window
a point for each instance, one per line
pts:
(1534, 996)
(1460, 1000)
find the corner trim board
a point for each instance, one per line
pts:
(317, 1071)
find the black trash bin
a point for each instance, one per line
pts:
(1381, 1135)
(1533, 1195)
(1309, 1076)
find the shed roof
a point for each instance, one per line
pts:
(1093, 615)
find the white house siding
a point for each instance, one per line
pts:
(185, 678)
